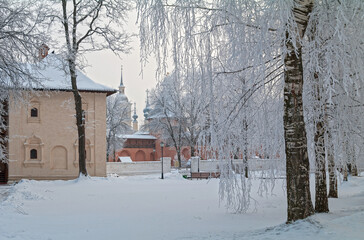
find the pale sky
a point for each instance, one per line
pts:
(105, 69)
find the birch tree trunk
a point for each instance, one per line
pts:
(345, 174)
(321, 200)
(333, 193)
(354, 168)
(297, 163)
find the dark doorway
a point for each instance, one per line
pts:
(3, 173)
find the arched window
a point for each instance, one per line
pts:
(33, 154)
(34, 112)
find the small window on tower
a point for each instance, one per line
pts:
(34, 112)
(33, 154)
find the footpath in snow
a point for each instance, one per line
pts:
(146, 207)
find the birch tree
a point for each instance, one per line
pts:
(228, 42)
(297, 162)
(334, 55)
(249, 52)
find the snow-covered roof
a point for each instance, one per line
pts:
(139, 136)
(125, 159)
(55, 76)
(122, 97)
(141, 133)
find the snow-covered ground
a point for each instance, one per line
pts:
(146, 207)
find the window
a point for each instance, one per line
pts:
(34, 112)
(33, 154)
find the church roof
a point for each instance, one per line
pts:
(54, 75)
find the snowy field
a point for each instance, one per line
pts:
(146, 207)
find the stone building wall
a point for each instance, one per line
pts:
(45, 146)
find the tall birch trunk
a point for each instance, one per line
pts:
(333, 193)
(299, 204)
(345, 174)
(321, 200)
(354, 168)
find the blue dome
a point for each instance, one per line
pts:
(135, 117)
(146, 114)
